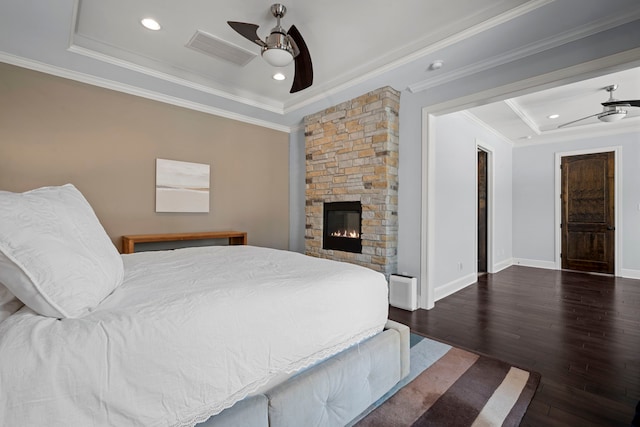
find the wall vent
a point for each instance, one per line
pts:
(220, 49)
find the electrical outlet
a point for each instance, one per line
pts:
(460, 266)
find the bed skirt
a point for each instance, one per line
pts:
(331, 393)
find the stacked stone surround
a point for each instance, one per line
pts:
(352, 155)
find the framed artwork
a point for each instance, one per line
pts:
(182, 186)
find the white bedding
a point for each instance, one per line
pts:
(189, 333)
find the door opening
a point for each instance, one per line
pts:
(483, 186)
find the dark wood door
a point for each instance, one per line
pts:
(482, 211)
(588, 213)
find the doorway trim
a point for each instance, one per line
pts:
(480, 145)
(617, 178)
(427, 291)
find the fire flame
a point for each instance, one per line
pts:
(351, 234)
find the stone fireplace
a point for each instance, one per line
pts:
(351, 166)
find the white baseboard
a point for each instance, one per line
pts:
(549, 265)
(454, 286)
(630, 274)
(502, 265)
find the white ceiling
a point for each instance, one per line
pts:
(356, 46)
(525, 119)
(346, 39)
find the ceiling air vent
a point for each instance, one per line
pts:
(220, 49)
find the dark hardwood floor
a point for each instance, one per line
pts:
(580, 331)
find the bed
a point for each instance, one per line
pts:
(233, 335)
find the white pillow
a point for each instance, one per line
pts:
(9, 304)
(54, 254)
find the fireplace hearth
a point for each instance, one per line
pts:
(342, 226)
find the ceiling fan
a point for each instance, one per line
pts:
(612, 111)
(281, 47)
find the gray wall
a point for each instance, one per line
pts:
(534, 198)
(297, 188)
(410, 185)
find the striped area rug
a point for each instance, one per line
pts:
(452, 387)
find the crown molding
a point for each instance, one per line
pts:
(132, 90)
(74, 37)
(526, 118)
(528, 50)
(585, 70)
(421, 53)
(297, 128)
(90, 53)
(593, 130)
(486, 127)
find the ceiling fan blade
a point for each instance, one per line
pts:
(630, 103)
(248, 31)
(579, 120)
(303, 77)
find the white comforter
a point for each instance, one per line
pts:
(189, 333)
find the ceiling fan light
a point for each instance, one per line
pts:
(614, 116)
(277, 57)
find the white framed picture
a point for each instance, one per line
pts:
(182, 186)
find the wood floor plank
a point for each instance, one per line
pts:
(580, 331)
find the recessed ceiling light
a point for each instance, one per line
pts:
(150, 23)
(554, 116)
(279, 76)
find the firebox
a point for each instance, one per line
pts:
(341, 229)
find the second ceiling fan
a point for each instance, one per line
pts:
(613, 109)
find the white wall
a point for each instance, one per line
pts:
(455, 201)
(534, 199)
(456, 136)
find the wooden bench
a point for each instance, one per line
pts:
(129, 241)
